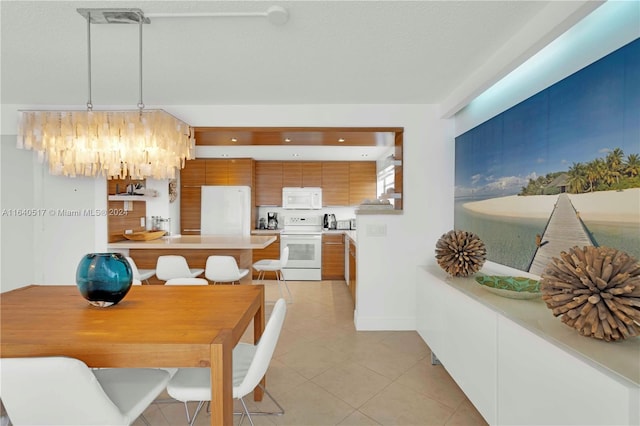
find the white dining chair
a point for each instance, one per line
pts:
(174, 266)
(140, 274)
(65, 391)
(186, 281)
(223, 269)
(250, 364)
(275, 265)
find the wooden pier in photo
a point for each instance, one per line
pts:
(564, 231)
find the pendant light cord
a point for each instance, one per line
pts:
(89, 102)
(141, 22)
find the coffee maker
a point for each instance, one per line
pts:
(272, 220)
(330, 221)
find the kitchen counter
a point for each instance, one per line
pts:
(351, 233)
(265, 231)
(199, 242)
(348, 233)
(196, 249)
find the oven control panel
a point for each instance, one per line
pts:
(315, 220)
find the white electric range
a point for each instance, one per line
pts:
(303, 235)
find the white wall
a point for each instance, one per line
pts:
(386, 286)
(16, 232)
(48, 223)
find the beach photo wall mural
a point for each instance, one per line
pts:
(558, 170)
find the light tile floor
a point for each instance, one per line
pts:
(324, 372)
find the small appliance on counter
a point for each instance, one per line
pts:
(272, 220)
(343, 224)
(161, 224)
(329, 221)
(262, 223)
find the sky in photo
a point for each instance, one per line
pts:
(577, 120)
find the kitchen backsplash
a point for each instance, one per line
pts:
(342, 213)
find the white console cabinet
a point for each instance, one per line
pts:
(517, 363)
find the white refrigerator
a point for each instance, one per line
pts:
(225, 210)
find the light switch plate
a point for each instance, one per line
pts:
(377, 230)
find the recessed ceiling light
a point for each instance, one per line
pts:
(234, 139)
(341, 140)
(287, 140)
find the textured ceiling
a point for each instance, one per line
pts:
(327, 52)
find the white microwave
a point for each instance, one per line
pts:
(307, 198)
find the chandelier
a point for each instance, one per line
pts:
(135, 144)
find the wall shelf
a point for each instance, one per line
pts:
(130, 197)
(394, 195)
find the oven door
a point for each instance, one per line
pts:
(305, 250)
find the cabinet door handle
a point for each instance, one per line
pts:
(191, 230)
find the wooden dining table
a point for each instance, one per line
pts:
(153, 326)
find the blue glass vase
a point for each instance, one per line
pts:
(104, 278)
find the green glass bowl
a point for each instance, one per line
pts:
(511, 287)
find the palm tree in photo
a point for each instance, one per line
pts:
(614, 166)
(577, 178)
(595, 170)
(632, 165)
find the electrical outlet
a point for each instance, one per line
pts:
(128, 231)
(142, 222)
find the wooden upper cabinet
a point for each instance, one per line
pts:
(193, 173)
(217, 171)
(312, 173)
(240, 172)
(362, 181)
(268, 183)
(335, 183)
(291, 174)
(234, 171)
(301, 173)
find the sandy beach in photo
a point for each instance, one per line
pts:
(601, 206)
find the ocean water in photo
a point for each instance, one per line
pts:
(509, 241)
(512, 241)
(621, 236)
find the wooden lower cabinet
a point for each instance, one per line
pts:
(352, 271)
(272, 251)
(332, 256)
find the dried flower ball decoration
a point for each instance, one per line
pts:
(595, 290)
(460, 253)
